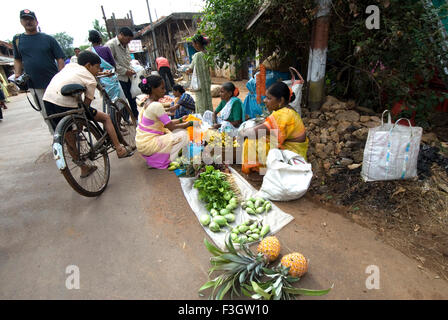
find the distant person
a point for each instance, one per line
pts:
(122, 57)
(199, 66)
(111, 84)
(74, 59)
(39, 55)
(184, 104)
(163, 66)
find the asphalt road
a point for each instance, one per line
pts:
(140, 239)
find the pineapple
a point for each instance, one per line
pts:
(270, 248)
(297, 264)
(240, 268)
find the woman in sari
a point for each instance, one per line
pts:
(158, 138)
(283, 129)
(228, 116)
(200, 69)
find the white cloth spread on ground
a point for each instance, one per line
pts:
(275, 218)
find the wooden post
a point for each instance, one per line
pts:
(318, 55)
(115, 24)
(105, 22)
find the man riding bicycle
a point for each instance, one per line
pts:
(82, 73)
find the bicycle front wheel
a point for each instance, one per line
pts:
(87, 171)
(124, 122)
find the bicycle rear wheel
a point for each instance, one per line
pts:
(72, 136)
(124, 122)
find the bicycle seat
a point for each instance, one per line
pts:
(71, 89)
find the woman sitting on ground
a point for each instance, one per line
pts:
(284, 125)
(158, 138)
(228, 116)
(184, 104)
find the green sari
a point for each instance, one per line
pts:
(203, 97)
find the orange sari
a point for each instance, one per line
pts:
(284, 124)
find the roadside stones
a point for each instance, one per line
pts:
(337, 135)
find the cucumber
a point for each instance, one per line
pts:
(230, 218)
(205, 220)
(250, 211)
(220, 220)
(214, 227)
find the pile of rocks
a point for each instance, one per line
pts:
(337, 133)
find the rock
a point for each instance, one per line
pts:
(358, 156)
(371, 124)
(346, 161)
(333, 123)
(338, 148)
(354, 166)
(429, 138)
(351, 104)
(311, 126)
(349, 115)
(327, 165)
(329, 115)
(375, 118)
(338, 106)
(315, 114)
(331, 130)
(361, 134)
(365, 110)
(364, 118)
(353, 144)
(329, 148)
(347, 136)
(343, 126)
(315, 121)
(215, 89)
(321, 155)
(335, 137)
(313, 138)
(333, 171)
(319, 147)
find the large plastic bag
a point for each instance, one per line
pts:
(391, 152)
(296, 85)
(139, 71)
(288, 176)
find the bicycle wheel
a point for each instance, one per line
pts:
(86, 171)
(124, 122)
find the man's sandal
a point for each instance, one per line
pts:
(91, 170)
(129, 153)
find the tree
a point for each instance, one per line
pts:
(101, 29)
(66, 43)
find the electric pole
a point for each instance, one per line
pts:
(156, 53)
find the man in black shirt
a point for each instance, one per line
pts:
(39, 55)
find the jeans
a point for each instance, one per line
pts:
(126, 86)
(166, 75)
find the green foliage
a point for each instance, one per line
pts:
(66, 43)
(377, 68)
(381, 67)
(101, 29)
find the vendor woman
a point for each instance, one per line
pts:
(284, 124)
(158, 138)
(228, 116)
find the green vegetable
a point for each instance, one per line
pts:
(259, 203)
(223, 212)
(250, 211)
(214, 227)
(249, 204)
(234, 236)
(265, 230)
(236, 230)
(253, 226)
(220, 220)
(260, 210)
(268, 207)
(256, 230)
(230, 208)
(254, 236)
(243, 238)
(230, 218)
(228, 196)
(243, 228)
(251, 199)
(250, 239)
(214, 212)
(205, 220)
(243, 205)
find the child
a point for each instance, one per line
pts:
(184, 103)
(82, 73)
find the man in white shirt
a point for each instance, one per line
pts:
(82, 73)
(74, 59)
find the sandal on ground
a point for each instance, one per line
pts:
(91, 170)
(129, 153)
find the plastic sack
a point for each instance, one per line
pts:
(135, 80)
(287, 178)
(251, 109)
(391, 151)
(195, 84)
(296, 86)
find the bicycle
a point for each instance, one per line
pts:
(79, 142)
